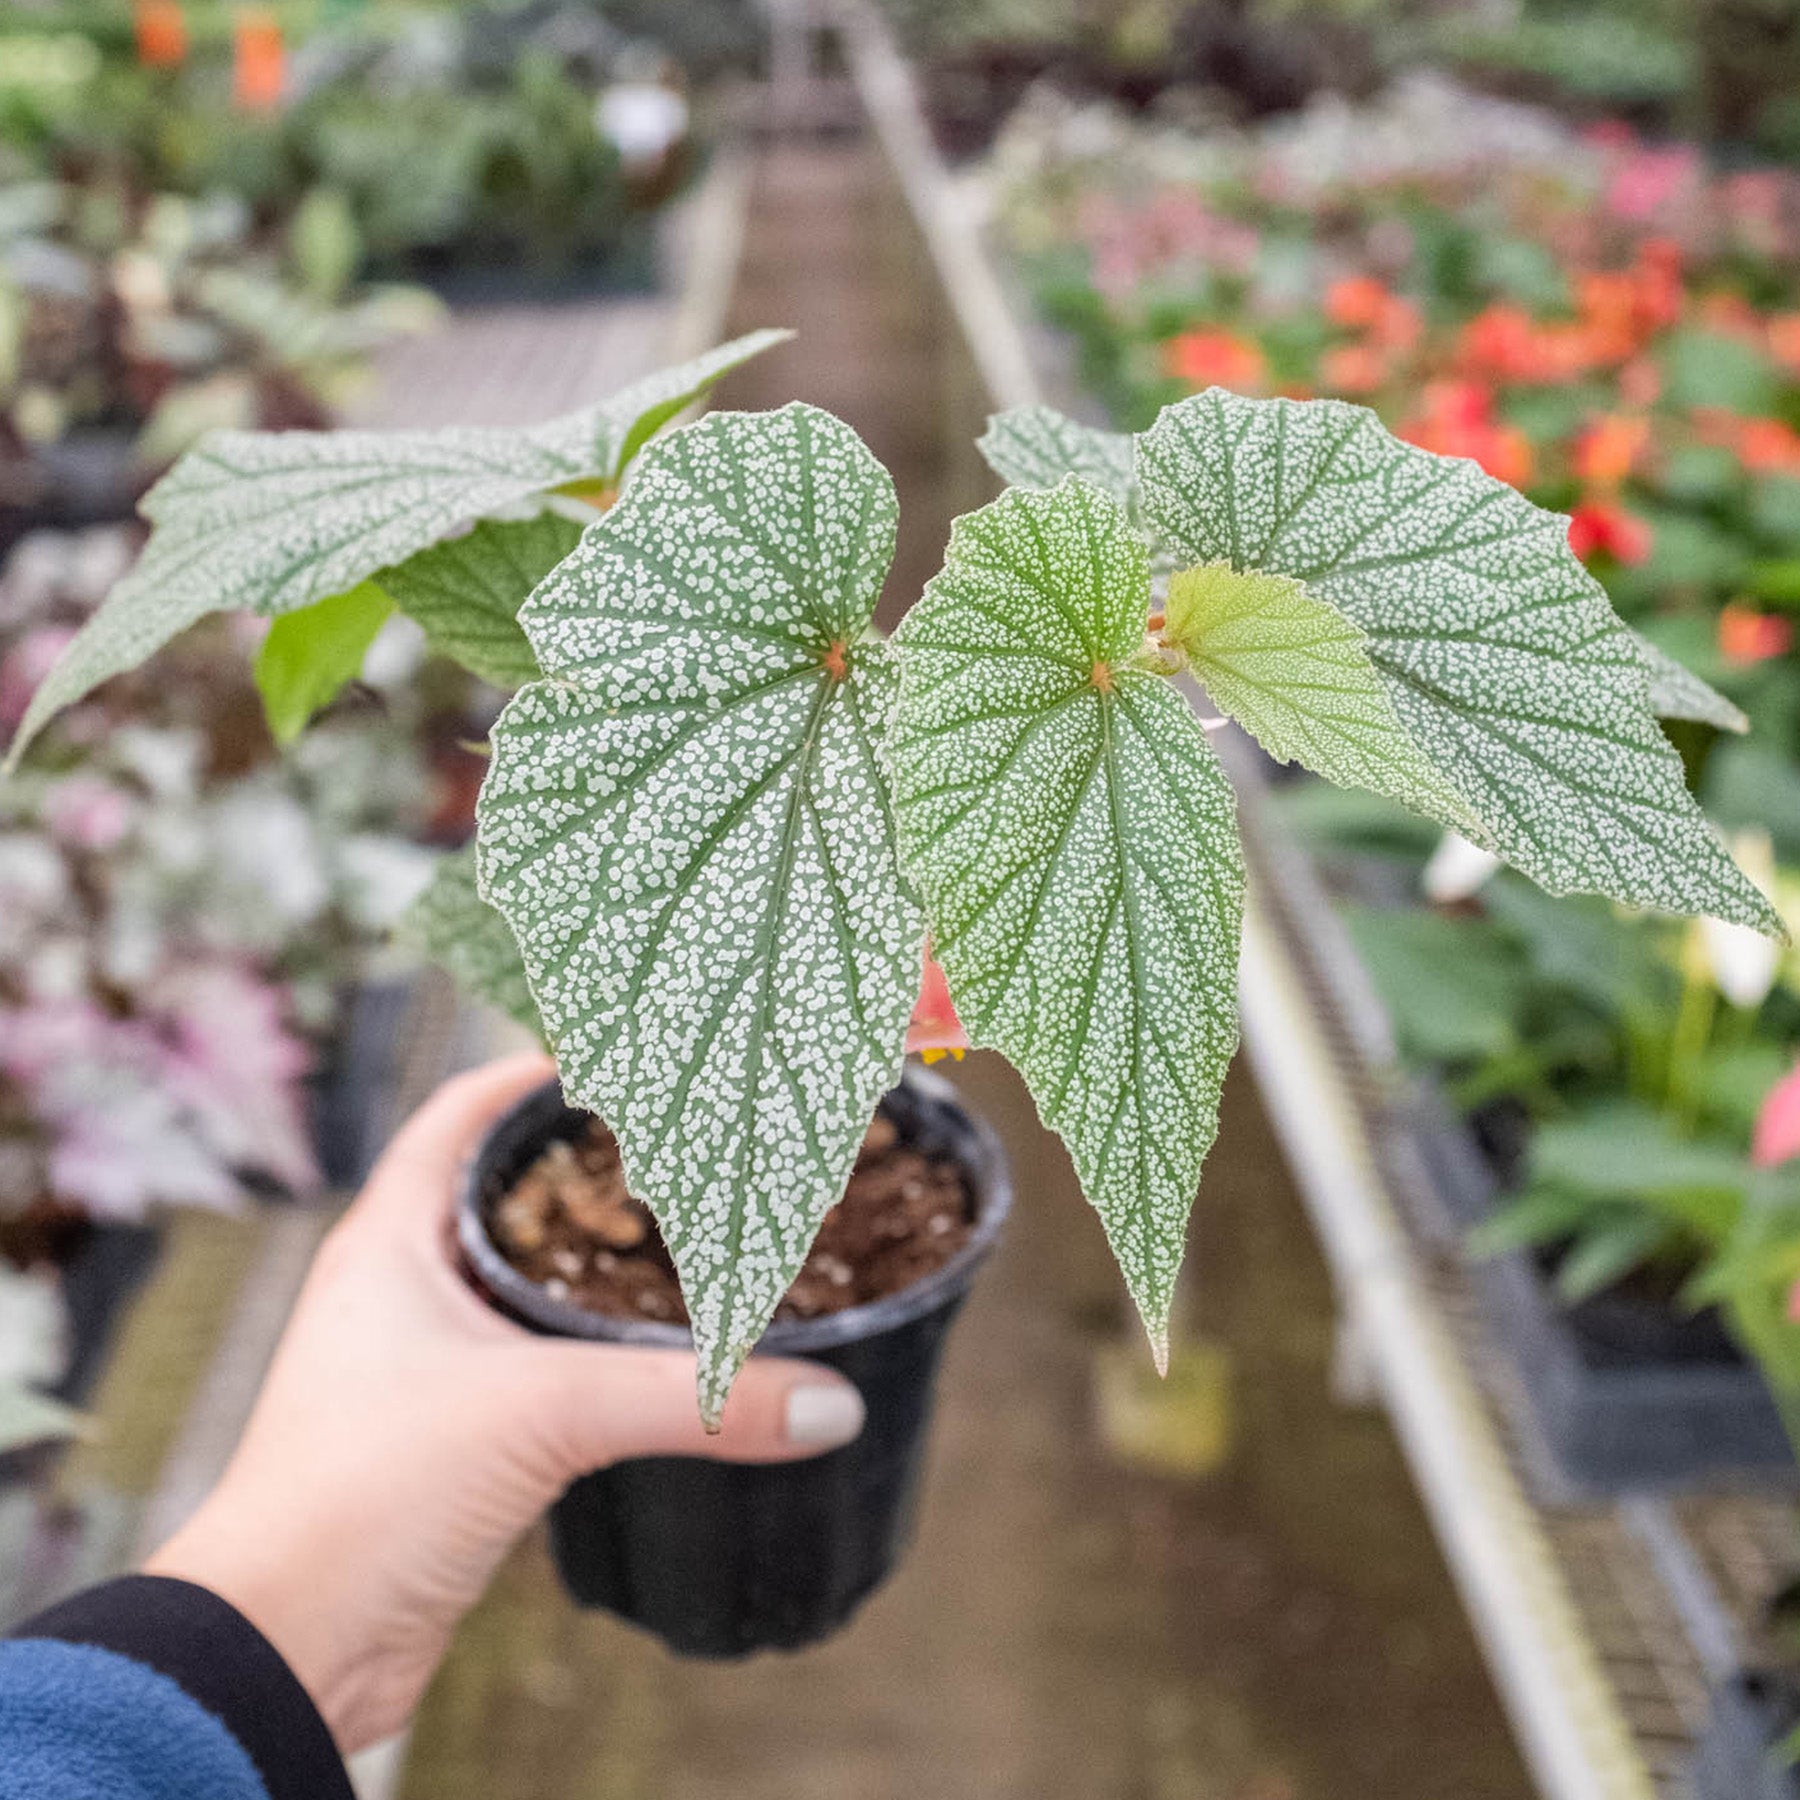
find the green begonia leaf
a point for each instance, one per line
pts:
(686, 826)
(272, 521)
(1036, 446)
(1074, 839)
(309, 655)
(453, 925)
(1296, 674)
(466, 592)
(1502, 656)
(1677, 692)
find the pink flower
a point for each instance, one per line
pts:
(1777, 1134)
(88, 813)
(1646, 181)
(228, 1056)
(24, 666)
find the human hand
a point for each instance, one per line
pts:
(406, 1434)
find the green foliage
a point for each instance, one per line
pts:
(1036, 446)
(721, 812)
(1074, 840)
(273, 521)
(1499, 652)
(1297, 675)
(466, 592)
(453, 924)
(1454, 990)
(1617, 1186)
(685, 825)
(309, 655)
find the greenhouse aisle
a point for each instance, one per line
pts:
(1270, 1623)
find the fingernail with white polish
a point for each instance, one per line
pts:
(822, 1415)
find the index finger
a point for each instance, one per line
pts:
(417, 1173)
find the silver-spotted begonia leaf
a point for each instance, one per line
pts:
(466, 592)
(1501, 654)
(1074, 839)
(1296, 674)
(686, 826)
(453, 925)
(270, 521)
(1036, 446)
(1676, 692)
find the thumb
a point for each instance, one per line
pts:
(613, 1402)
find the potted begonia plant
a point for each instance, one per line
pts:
(723, 815)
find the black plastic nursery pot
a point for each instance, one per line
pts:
(722, 1559)
(1625, 1393)
(1740, 1755)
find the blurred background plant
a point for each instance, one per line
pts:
(544, 134)
(132, 323)
(215, 214)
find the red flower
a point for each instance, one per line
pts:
(1501, 341)
(935, 1029)
(1214, 359)
(1598, 527)
(1747, 636)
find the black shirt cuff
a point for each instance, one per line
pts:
(221, 1661)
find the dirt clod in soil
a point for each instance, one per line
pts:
(569, 1225)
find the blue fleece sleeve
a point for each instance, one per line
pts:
(79, 1723)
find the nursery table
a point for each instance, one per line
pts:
(1603, 1624)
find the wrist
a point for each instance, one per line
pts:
(254, 1571)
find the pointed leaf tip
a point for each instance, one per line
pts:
(685, 827)
(1075, 844)
(1036, 446)
(271, 521)
(1501, 656)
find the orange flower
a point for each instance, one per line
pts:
(1352, 369)
(1609, 449)
(161, 30)
(1400, 325)
(259, 61)
(1214, 359)
(1747, 636)
(1784, 340)
(1457, 419)
(1356, 302)
(1765, 445)
(1597, 527)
